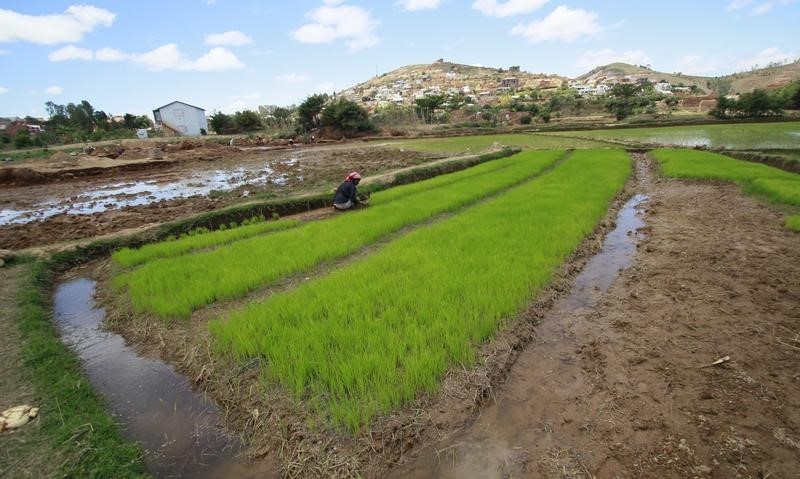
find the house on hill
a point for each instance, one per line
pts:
(181, 119)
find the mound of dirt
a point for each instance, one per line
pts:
(19, 176)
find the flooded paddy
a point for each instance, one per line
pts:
(737, 136)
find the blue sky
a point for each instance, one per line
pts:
(229, 55)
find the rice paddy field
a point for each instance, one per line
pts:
(743, 136)
(464, 144)
(342, 341)
(774, 185)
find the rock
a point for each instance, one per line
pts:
(2, 263)
(6, 254)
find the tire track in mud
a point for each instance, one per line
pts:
(616, 386)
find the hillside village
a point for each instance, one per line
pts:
(482, 86)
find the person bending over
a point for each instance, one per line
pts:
(346, 197)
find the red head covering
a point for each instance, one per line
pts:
(352, 176)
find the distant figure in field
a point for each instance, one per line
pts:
(346, 197)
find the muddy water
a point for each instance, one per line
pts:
(138, 193)
(517, 426)
(178, 428)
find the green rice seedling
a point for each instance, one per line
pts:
(391, 194)
(474, 143)
(713, 166)
(777, 190)
(374, 335)
(196, 240)
(174, 287)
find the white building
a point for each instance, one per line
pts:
(181, 119)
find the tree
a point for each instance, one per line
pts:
(309, 111)
(222, 123)
(347, 115)
(247, 120)
(427, 105)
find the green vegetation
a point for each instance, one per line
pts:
(199, 239)
(739, 136)
(477, 143)
(777, 190)
(176, 286)
(758, 102)
(793, 223)
(392, 194)
(72, 418)
(374, 335)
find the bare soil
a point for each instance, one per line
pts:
(314, 169)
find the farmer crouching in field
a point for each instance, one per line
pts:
(346, 197)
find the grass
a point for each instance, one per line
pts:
(33, 153)
(376, 334)
(481, 142)
(793, 223)
(72, 415)
(744, 136)
(174, 287)
(201, 239)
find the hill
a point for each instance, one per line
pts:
(404, 84)
(765, 78)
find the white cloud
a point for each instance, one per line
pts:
(493, 8)
(70, 52)
(563, 23)
(758, 8)
(3, 90)
(414, 5)
(765, 57)
(737, 5)
(54, 90)
(169, 57)
(591, 59)
(292, 78)
(232, 38)
(66, 27)
(216, 60)
(165, 57)
(334, 22)
(110, 55)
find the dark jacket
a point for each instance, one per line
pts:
(346, 191)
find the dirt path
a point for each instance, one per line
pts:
(620, 386)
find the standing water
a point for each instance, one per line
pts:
(178, 428)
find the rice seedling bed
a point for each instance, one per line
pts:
(174, 287)
(776, 185)
(200, 239)
(376, 334)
